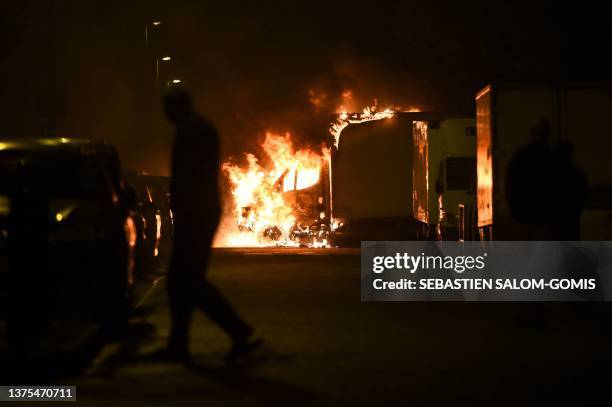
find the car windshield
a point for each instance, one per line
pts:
(58, 174)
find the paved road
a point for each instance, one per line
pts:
(326, 347)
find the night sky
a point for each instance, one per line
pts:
(81, 68)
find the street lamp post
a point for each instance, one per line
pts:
(157, 62)
(150, 27)
(155, 23)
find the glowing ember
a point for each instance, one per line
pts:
(262, 213)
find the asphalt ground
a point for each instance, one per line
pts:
(323, 346)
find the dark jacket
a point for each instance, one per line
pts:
(194, 186)
(530, 184)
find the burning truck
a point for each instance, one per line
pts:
(328, 195)
(284, 203)
(396, 175)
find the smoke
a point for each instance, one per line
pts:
(270, 66)
(282, 68)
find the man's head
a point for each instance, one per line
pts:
(540, 131)
(177, 103)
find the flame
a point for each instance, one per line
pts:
(369, 113)
(260, 210)
(261, 214)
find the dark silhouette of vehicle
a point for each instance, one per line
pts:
(159, 187)
(67, 235)
(148, 222)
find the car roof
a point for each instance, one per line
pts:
(52, 144)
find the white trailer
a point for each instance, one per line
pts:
(372, 180)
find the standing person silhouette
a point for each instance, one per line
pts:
(196, 209)
(531, 190)
(545, 189)
(532, 186)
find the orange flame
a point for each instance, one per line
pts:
(344, 118)
(262, 215)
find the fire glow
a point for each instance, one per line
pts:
(263, 216)
(263, 212)
(343, 119)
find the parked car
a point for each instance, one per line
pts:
(148, 223)
(67, 235)
(159, 188)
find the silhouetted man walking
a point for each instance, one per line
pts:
(196, 210)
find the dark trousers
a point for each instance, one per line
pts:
(188, 288)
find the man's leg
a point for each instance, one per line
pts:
(180, 297)
(219, 310)
(209, 299)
